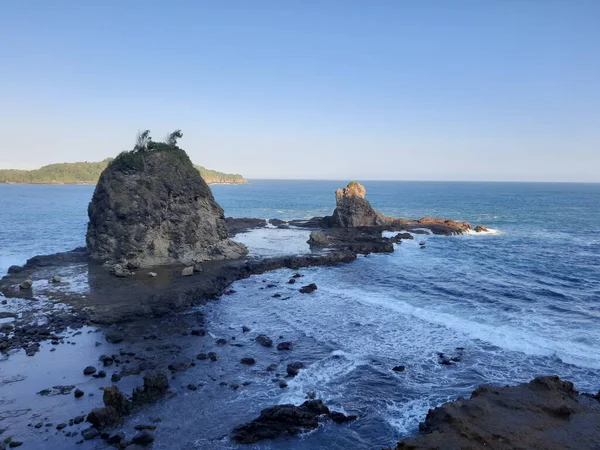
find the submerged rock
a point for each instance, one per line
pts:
(263, 340)
(152, 207)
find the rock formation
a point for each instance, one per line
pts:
(152, 207)
(285, 420)
(546, 413)
(353, 210)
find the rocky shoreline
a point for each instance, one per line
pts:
(145, 325)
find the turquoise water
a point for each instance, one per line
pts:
(523, 301)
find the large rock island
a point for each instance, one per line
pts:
(151, 207)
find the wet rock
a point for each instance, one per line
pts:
(114, 398)
(221, 341)
(89, 370)
(318, 239)
(212, 356)
(285, 346)
(144, 426)
(180, 365)
(15, 269)
(245, 329)
(32, 349)
(106, 360)
(202, 356)
(264, 340)
(78, 393)
(294, 368)
(281, 420)
(155, 386)
(14, 444)
(55, 279)
(481, 228)
(339, 417)
(271, 367)
(192, 387)
(248, 361)
(78, 419)
(198, 332)
(26, 285)
(116, 438)
(119, 271)
(101, 374)
(276, 295)
(143, 438)
(187, 271)
(115, 378)
(292, 281)
(398, 368)
(114, 337)
(297, 275)
(60, 426)
(90, 433)
(308, 289)
(152, 274)
(283, 384)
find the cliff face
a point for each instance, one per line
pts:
(353, 210)
(153, 207)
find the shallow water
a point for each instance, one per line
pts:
(522, 302)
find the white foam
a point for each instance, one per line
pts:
(489, 231)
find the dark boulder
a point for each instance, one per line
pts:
(281, 420)
(308, 289)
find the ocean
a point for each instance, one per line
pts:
(522, 300)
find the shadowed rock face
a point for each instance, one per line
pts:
(153, 209)
(353, 210)
(546, 413)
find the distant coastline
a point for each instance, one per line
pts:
(88, 173)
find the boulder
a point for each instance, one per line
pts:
(317, 239)
(55, 279)
(263, 340)
(308, 289)
(152, 274)
(187, 271)
(151, 207)
(481, 228)
(353, 210)
(281, 420)
(26, 284)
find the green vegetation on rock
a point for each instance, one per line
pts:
(89, 172)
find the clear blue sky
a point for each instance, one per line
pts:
(428, 90)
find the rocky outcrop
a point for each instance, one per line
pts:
(151, 207)
(284, 420)
(546, 413)
(353, 210)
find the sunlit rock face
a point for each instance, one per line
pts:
(353, 209)
(151, 208)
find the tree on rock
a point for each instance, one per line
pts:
(172, 138)
(142, 141)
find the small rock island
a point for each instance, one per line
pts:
(151, 207)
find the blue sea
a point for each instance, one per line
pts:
(522, 300)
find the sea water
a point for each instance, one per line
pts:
(522, 300)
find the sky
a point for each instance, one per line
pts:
(401, 89)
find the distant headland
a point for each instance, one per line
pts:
(89, 172)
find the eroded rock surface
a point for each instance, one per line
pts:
(546, 413)
(353, 209)
(151, 208)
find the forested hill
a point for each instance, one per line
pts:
(89, 172)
